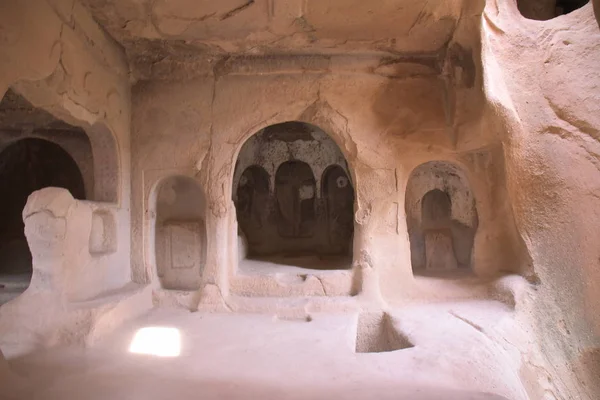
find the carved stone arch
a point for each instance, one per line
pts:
(321, 114)
(252, 200)
(28, 165)
(441, 216)
(338, 198)
(295, 156)
(180, 237)
(295, 191)
(21, 118)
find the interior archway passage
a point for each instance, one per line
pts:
(294, 198)
(26, 166)
(295, 193)
(441, 216)
(94, 149)
(339, 205)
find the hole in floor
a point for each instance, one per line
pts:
(375, 333)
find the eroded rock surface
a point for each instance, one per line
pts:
(421, 164)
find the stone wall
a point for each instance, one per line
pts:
(58, 59)
(544, 106)
(509, 101)
(385, 127)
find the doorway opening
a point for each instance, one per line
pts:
(294, 201)
(36, 151)
(26, 166)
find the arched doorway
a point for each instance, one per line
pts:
(26, 166)
(339, 203)
(294, 199)
(180, 233)
(436, 223)
(252, 201)
(441, 216)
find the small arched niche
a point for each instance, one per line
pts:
(543, 10)
(338, 194)
(252, 199)
(294, 199)
(28, 165)
(180, 236)
(295, 193)
(441, 216)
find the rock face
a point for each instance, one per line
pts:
(302, 155)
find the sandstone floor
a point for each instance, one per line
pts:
(222, 356)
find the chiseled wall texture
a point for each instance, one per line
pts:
(545, 105)
(385, 127)
(513, 106)
(55, 55)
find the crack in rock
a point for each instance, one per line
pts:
(237, 10)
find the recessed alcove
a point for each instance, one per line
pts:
(28, 165)
(294, 200)
(36, 151)
(442, 218)
(180, 233)
(543, 10)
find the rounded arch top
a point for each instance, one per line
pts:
(441, 216)
(180, 238)
(93, 146)
(179, 196)
(28, 165)
(275, 144)
(39, 163)
(296, 216)
(341, 175)
(446, 177)
(436, 206)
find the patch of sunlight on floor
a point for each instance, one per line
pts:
(156, 341)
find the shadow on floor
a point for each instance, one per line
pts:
(62, 376)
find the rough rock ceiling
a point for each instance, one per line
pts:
(16, 113)
(151, 30)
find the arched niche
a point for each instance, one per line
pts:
(543, 10)
(287, 203)
(295, 190)
(441, 217)
(252, 200)
(180, 233)
(94, 148)
(338, 193)
(28, 165)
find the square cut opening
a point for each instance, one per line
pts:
(376, 333)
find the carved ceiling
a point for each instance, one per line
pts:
(151, 30)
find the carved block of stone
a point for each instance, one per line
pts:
(183, 244)
(103, 236)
